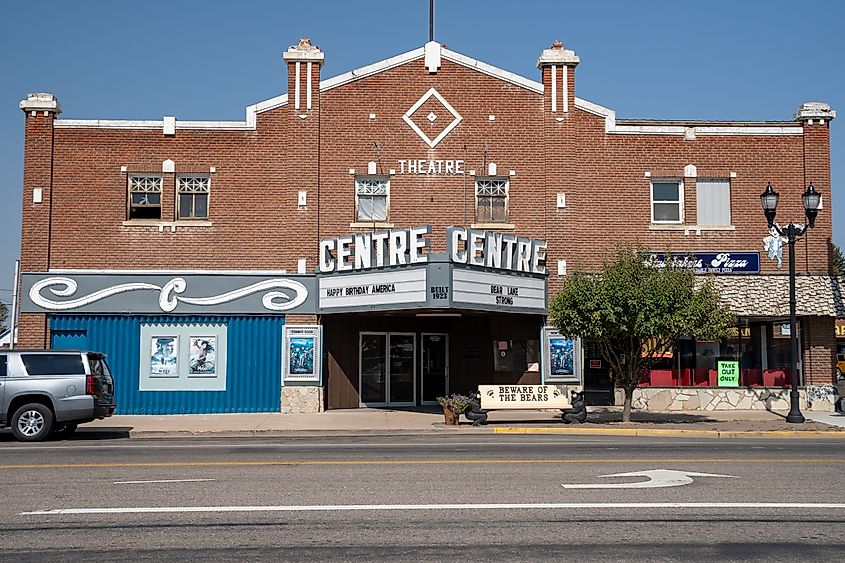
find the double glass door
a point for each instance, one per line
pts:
(388, 368)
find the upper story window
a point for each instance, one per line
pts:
(491, 200)
(144, 197)
(372, 198)
(192, 197)
(713, 202)
(667, 201)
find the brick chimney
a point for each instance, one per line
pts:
(557, 66)
(40, 110)
(304, 61)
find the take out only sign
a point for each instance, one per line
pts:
(728, 371)
(524, 396)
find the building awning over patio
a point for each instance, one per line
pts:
(768, 295)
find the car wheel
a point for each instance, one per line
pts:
(838, 374)
(32, 422)
(64, 430)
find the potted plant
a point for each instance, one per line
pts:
(453, 406)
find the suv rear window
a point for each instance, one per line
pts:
(53, 364)
(3, 365)
(98, 364)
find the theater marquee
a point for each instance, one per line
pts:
(378, 271)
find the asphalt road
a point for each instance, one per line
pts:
(420, 497)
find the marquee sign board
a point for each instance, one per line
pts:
(496, 291)
(374, 289)
(383, 270)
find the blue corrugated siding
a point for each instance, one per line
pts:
(253, 365)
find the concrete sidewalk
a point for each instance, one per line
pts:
(601, 420)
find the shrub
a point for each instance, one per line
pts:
(456, 402)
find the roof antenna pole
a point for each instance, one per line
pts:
(430, 20)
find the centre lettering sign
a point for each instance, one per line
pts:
(496, 250)
(402, 247)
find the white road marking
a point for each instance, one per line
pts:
(657, 478)
(161, 481)
(389, 507)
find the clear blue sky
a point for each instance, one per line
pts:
(207, 60)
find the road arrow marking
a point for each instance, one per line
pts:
(656, 478)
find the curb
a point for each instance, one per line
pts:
(680, 433)
(273, 433)
(468, 430)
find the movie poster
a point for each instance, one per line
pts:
(562, 356)
(562, 362)
(301, 356)
(164, 361)
(203, 356)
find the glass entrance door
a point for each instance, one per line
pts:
(401, 374)
(435, 367)
(373, 370)
(387, 369)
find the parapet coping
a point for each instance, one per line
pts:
(631, 127)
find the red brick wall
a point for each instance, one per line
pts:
(819, 353)
(513, 141)
(816, 171)
(256, 223)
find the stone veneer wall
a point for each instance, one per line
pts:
(300, 399)
(813, 398)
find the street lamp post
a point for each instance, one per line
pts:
(811, 200)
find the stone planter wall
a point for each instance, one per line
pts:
(301, 399)
(812, 398)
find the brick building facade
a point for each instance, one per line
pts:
(427, 138)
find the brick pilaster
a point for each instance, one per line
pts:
(40, 111)
(819, 350)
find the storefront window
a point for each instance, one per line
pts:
(516, 355)
(763, 350)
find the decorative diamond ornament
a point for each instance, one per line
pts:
(431, 117)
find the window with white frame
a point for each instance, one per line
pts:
(713, 202)
(491, 200)
(192, 197)
(371, 199)
(144, 197)
(667, 201)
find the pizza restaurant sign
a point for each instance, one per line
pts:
(406, 246)
(709, 262)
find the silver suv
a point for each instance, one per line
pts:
(44, 391)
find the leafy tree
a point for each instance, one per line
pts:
(634, 312)
(838, 260)
(4, 313)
